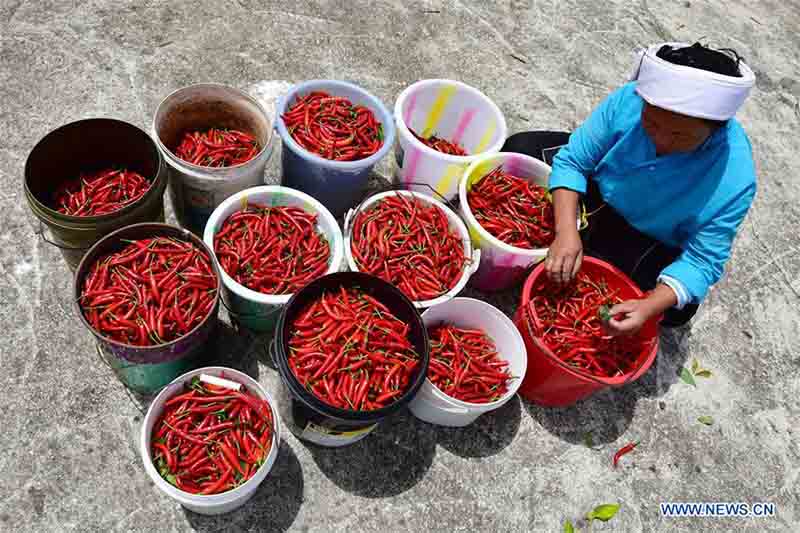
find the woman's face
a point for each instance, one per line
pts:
(671, 132)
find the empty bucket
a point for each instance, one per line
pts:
(453, 111)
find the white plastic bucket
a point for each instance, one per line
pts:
(502, 265)
(197, 190)
(434, 406)
(450, 110)
(255, 310)
(212, 504)
(473, 255)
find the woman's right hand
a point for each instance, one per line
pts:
(564, 256)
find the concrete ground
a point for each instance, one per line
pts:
(69, 454)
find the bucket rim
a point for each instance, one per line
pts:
(156, 228)
(518, 340)
(405, 131)
(267, 148)
(246, 293)
(157, 185)
(296, 388)
(532, 253)
(389, 130)
(471, 253)
(585, 377)
(222, 497)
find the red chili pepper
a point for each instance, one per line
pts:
(440, 145)
(402, 252)
(565, 318)
(622, 451)
(89, 194)
(343, 336)
(332, 127)
(513, 210)
(227, 147)
(135, 300)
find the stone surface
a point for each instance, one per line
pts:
(70, 460)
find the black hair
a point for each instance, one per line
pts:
(724, 61)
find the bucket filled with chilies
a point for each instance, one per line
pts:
(210, 438)
(504, 199)
(477, 362)
(351, 350)
(216, 141)
(88, 178)
(442, 127)
(149, 293)
(333, 134)
(269, 242)
(570, 355)
(414, 242)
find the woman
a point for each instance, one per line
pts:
(665, 172)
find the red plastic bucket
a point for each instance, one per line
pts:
(551, 382)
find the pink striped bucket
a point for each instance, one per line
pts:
(450, 110)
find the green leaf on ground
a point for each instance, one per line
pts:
(704, 373)
(705, 419)
(588, 440)
(568, 527)
(695, 366)
(603, 512)
(687, 377)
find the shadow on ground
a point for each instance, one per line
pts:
(604, 416)
(391, 460)
(273, 507)
(401, 450)
(490, 434)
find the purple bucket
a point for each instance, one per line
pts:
(146, 369)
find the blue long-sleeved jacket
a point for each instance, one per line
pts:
(694, 201)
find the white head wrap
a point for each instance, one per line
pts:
(687, 90)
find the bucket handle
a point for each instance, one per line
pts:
(40, 233)
(127, 391)
(536, 340)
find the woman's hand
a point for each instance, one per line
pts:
(564, 256)
(628, 317)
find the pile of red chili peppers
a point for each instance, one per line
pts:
(217, 147)
(410, 244)
(440, 145)
(211, 439)
(465, 365)
(568, 321)
(272, 250)
(152, 291)
(333, 128)
(512, 209)
(351, 352)
(100, 193)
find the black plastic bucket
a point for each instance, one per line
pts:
(84, 146)
(308, 417)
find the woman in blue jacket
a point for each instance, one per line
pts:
(665, 172)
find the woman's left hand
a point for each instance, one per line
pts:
(628, 317)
